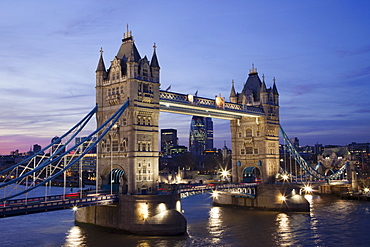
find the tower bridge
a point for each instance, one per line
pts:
(128, 106)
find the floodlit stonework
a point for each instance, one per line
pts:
(255, 140)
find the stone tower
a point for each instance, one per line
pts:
(255, 140)
(128, 154)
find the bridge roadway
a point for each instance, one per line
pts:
(58, 202)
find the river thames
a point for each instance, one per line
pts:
(331, 222)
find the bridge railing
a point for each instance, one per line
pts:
(199, 101)
(34, 205)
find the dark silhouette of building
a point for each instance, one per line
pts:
(169, 140)
(201, 135)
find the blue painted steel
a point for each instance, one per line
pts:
(59, 202)
(85, 119)
(113, 119)
(310, 170)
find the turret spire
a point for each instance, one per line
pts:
(154, 62)
(101, 66)
(128, 33)
(274, 88)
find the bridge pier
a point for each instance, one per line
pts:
(156, 215)
(270, 197)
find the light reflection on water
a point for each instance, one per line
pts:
(74, 237)
(215, 225)
(331, 222)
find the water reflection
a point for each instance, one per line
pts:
(215, 224)
(75, 237)
(284, 232)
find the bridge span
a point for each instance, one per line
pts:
(77, 200)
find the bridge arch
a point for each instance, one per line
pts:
(116, 180)
(251, 174)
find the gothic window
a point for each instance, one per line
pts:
(143, 147)
(248, 133)
(240, 135)
(115, 145)
(139, 87)
(258, 133)
(256, 151)
(242, 151)
(124, 121)
(145, 72)
(121, 90)
(138, 120)
(149, 121)
(117, 75)
(144, 170)
(148, 145)
(145, 88)
(139, 146)
(144, 121)
(109, 92)
(249, 150)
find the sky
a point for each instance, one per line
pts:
(318, 51)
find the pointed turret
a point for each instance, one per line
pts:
(154, 65)
(100, 72)
(233, 97)
(263, 91)
(252, 87)
(101, 66)
(275, 93)
(274, 88)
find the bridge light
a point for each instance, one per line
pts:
(144, 210)
(308, 189)
(214, 193)
(74, 208)
(178, 206)
(282, 198)
(366, 190)
(162, 207)
(285, 177)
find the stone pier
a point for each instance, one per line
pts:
(157, 215)
(269, 197)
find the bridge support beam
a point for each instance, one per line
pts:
(156, 215)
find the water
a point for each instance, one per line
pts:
(331, 222)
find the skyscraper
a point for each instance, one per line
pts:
(168, 140)
(201, 135)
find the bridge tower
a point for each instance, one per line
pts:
(128, 154)
(255, 140)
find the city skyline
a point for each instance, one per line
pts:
(317, 51)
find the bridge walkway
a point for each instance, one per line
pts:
(56, 202)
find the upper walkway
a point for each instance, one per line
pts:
(193, 105)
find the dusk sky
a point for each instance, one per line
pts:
(318, 51)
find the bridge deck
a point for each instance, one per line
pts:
(50, 203)
(191, 105)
